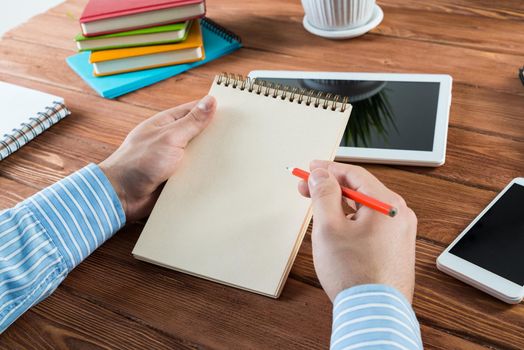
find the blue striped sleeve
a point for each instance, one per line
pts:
(374, 316)
(44, 237)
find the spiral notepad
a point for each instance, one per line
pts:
(232, 212)
(26, 114)
(221, 31)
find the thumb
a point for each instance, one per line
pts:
(327, 198)
(196, 120)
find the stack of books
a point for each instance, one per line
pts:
(126, 45)
(126, 36)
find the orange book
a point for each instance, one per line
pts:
(107, 62)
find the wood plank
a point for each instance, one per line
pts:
(442, 215)
(507, 10)
(13, 192)
(479, 160)
(453, 29)
(435, 339)
(487, 111)
(64, 321)
(51, 157)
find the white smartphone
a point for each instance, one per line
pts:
(489, 253)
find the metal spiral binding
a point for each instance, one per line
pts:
(285, 92)
(27, 131)
(219, 30)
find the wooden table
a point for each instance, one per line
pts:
(114, 301)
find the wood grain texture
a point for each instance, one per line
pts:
(507, 10)
(113, 301)
(453, 29)
(71, 322)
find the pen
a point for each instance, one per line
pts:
(358, 197)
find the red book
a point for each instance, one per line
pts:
(113, 16)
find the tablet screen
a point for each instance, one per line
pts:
(397, 115)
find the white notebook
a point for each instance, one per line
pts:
(232, 212)
(26, 113)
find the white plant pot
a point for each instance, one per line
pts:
(338, 14)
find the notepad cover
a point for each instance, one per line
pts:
(232, 212)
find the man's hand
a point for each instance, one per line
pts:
(364, 246)
(151, 153)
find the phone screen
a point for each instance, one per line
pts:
(496, 241)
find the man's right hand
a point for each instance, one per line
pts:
(364, 247)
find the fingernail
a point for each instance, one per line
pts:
(205, 103)
(317, 176)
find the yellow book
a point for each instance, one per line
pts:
(107, 62)
(232, 213)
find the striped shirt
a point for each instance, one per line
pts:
(44, 237)
(374, 316)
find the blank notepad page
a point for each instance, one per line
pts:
(232, 213)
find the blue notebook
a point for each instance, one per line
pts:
(217, 42)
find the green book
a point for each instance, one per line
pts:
(164, 34)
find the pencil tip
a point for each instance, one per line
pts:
(393, 212)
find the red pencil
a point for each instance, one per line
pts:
(354, 195)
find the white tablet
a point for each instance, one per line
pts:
(396, 118)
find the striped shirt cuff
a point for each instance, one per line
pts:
(79, 213)
(374, 316)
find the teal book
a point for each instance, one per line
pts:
(218, 42)
(165, 34)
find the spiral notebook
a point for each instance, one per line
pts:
(232, 213)
(26, 113)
